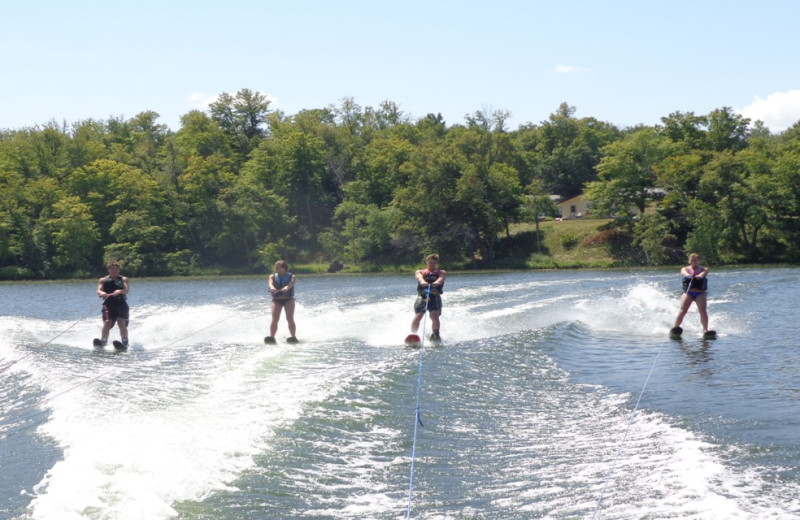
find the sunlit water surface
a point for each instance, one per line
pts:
(528, 408)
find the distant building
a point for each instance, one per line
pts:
(576, 207)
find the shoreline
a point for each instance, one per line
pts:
(316, 274)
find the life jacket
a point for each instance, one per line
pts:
(430, 277)
(282, 281)
(114, 284)
(698, 284)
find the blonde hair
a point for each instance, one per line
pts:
(694, 255)
(282, 263)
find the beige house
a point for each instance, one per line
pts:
(576, 207)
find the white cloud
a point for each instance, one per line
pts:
(565, 69)
(200, 101)
(778, 111)
(568, 69)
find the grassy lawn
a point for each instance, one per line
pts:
(568, 244)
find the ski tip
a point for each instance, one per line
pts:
(413, 340)
(269, 340)
(292, 339)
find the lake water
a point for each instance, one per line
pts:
(553, 395)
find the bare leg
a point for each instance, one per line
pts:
(123, 329)
(106, 329)
(416, 321)
(701, 302)
(686, 302)
(435, 321)
(289, 307)
(276, 315)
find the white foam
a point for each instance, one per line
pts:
(198, 397)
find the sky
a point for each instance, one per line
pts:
(626, 62)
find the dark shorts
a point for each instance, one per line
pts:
(434, 304)
(282, 301)
(116, 311)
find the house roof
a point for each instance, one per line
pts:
(572, 200)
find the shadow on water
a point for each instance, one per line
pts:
(696, 352)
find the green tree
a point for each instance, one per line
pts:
(628, 174)
(88, 143)
(18, 245)
(201, 136)
(426, 218)
(365, 233)
(243, 118)
(729, 187)
(650, 233)
(705, 237)
(73, 233)
(488, 192)
(203, 182)
(293, 165)
(380, 170)
(255, 220)
(687, 129)
(537, 205)
(727, 130)
(129, 207)
(563, 151)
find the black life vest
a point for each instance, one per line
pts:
(430, 277)
(698, 284)
(114, 284)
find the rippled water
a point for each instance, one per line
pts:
(528, 407)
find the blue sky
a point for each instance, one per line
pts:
(622, 61)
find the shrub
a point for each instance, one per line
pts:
(569, 240)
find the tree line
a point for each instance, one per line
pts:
(239, 186)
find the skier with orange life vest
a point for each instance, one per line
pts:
(430, 285)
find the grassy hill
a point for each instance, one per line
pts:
(569, 244)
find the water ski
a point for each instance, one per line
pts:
(269, 340)
(292, 339)
(98, 343)
(119, 345)
(412, 340)
(710, 334)
(675, 332)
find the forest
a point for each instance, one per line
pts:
(239, 186)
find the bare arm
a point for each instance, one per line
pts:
(287, 288)
(119, 292)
